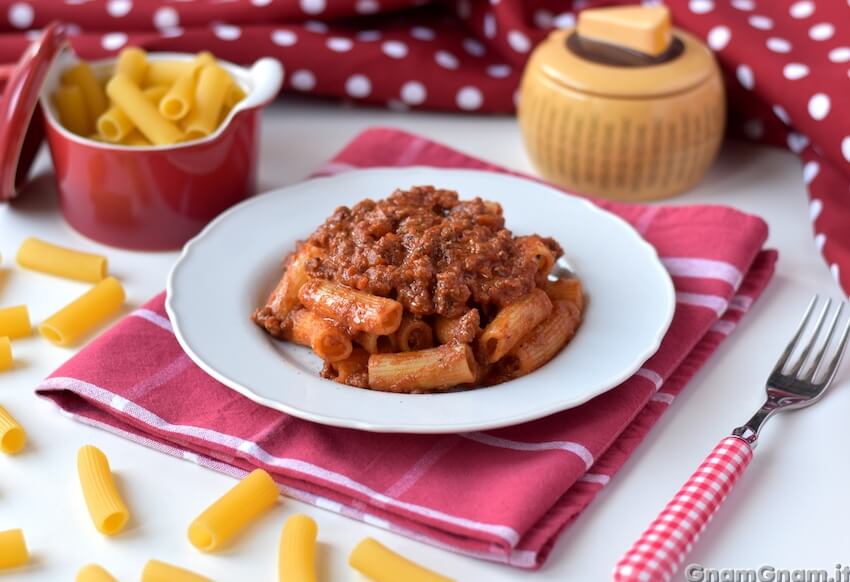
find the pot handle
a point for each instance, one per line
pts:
(267, 79)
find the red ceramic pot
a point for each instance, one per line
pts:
(157, 197)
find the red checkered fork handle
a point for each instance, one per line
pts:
(661, 549)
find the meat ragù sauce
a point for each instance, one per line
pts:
(435, 254)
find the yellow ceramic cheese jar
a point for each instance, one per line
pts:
(631, 109)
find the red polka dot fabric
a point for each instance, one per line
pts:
(786, 62)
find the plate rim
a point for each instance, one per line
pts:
(391, 427)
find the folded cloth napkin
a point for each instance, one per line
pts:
(786, 63)
(501, 495)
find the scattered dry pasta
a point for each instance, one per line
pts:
(297, 555)
(42, 256)
(107, 509)
(196, 96)
(14, 323)
(231, 513)
(12, 435)
(380, 564)
(6, 359)
(76, 319)
(156, 571)
(94, 573)
(13, 549)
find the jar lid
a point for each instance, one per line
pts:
(558, 59)
(21, 129)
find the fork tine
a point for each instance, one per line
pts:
(836, 359)
(783, 359)
(812, 340)
(810, 373)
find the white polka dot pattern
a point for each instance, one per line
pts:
(718, 37)
(413, 93)
(474, 47)
(810, 172)
(469, 99)
(760, 22)
(802, 9)
(518, 41)
(367, 7)
(819, 106)
(840, 54)
(226, 31)
(113, 41)
(166, 17)
(422, 33)
(339, 44)
(744, 5)
(303, 80)
(394, 49)
(284, 38)
(845, 148)
(358, 86)
(794, 71)
(661, 549)
(745, 77)
(778, 45)
(119, 8)
(565, 20)
(312, 6)
(822, 31)
(701, 6)
(446, 60)
(780, 112)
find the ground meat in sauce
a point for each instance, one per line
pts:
(427, 249)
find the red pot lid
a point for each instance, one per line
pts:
(21, 129)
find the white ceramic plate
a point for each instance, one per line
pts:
(230, 267)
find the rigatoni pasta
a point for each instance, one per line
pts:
(45, 257)
(297, 552)
(13, 549)
(12, 435)
(94, 573)
(6, 359)
(380, 564)
(382, 282)
(79, 317)
(196, 93)
(108, 511)
(232, 512)
(156, 571)
(14, 323)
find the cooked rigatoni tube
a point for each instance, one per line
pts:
(512, 323)
(13, 549)
(165, 72)
(424, 370)
(414, 334)
(566, 290)
(463, 329)
(210, 92)
(6, 359)
(356, 310)
(284, 298)
(144, 115)
(534, 247)
(71, 107)
(82, 76)
(544, 341)
(15, 322)
(12, 435)
(94, 573)
(156, 571)
(353, 370)
(52, 259)
(108, 511)
(376, 344)
(133, 63)
(92, 308)
(297, 553)
(328, 341)
(230, 514)
(380, 564)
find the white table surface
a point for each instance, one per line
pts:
(790, 510)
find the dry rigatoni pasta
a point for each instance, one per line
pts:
(380, 564)
(156, 571)
(232, 512)
(6, 359)
(297, 550)
(79, 317)
(94, 573)
(42, 256)
(144, 115)
(108, 511)
(132, 62)
(12, 435)
(14, 323)
(82, 76)
(210, 93)
(13, 549)
(71, 107)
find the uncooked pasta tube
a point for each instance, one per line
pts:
(52, 259)
(12, 435)
(94, 573)
(107, 509)
(297, 555)
(15, 322)
(381, 564)
(6, 359)
(221, 521)
(73, 321)
(156, 571)
(13, 549)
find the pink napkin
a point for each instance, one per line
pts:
(501, 495)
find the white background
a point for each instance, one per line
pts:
(791, 509)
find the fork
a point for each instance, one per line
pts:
(659, 551)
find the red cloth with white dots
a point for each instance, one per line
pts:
(786, 62)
